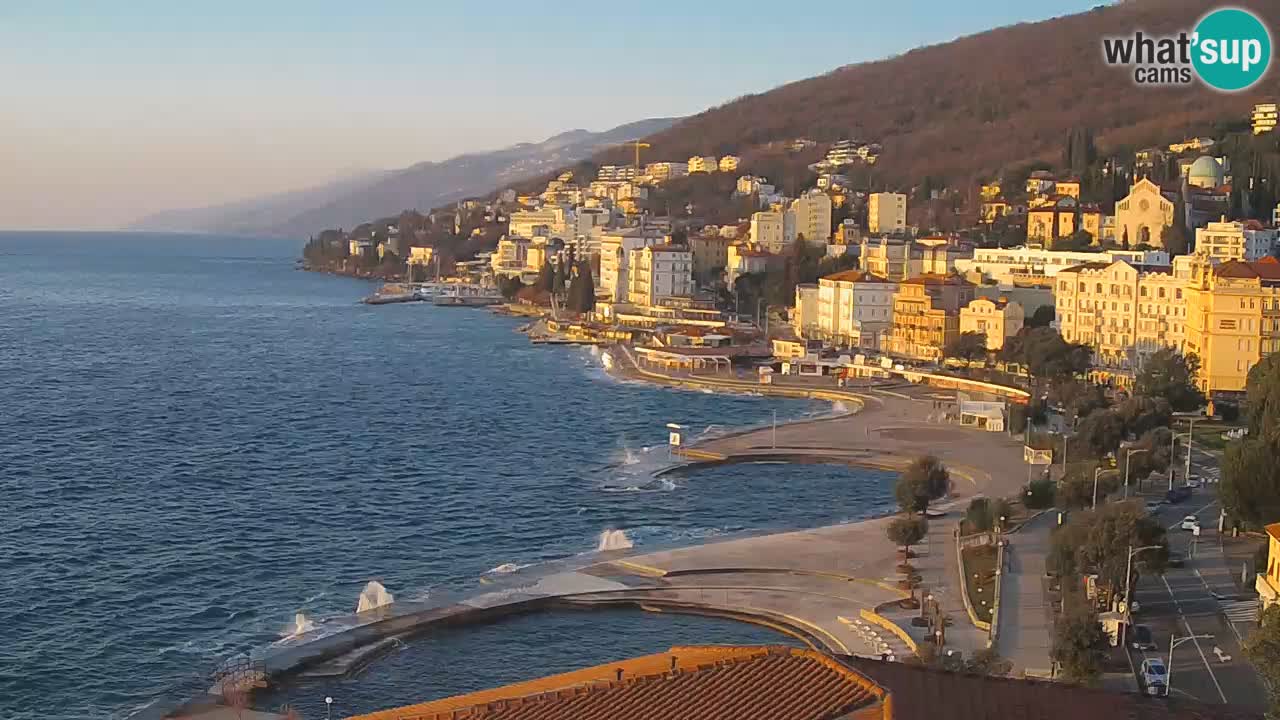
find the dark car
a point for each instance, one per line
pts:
(1140, 638)
(1178, 494)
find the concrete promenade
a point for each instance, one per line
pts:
(1024, 636)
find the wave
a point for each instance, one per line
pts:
(506, 569)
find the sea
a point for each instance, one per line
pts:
(198, 441)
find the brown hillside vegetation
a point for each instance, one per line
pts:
(967, 109)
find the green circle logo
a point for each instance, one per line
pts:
(1232, 49)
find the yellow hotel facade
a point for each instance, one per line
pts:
(1227, 315)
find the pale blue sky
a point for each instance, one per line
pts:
(117, 109)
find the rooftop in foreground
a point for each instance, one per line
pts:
(706, 682)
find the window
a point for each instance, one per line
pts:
(1178, 293)
(1226, 324)
(1142, 291)
(1160, 293)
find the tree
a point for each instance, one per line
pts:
(1142, 413)
(979, 517)
(1046, 355)
(1042, 317)
(546, 278)
(1168, 374)
(986, 661)
(906, 530)
(1079, 644)
(1250, 488)
(1263, 650)
(967, 346)
(1262, 399)
(1174, 238)
(1038, 494)
(1100, 432)
(925, 479)
(582, 289)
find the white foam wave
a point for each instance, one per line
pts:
(505, 569)
(373, 596)
(613, 540)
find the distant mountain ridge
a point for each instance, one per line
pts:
(350, 201)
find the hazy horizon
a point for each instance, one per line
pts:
(119, 113)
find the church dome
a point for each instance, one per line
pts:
(1205, 172)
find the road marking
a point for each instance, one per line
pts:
(1195, 641)
(1177, 524)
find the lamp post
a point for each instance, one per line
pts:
(1186, 476)
(328, 707)
(1173, 444)
(1127, 457)
(1128, 599)
(1175, 641)
(1064, 453)
(1096, 472)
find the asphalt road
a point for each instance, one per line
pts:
(1199, 599)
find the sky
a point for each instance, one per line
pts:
(110, 110)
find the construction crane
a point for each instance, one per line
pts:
(638, 144)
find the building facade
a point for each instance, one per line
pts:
(1223, 241)
(615, 258)
(926, 315)
(889, 258)
(812, 217)
(1123, 311)
(703, 164)
(998, 319)
(1142, 215)
(658, 273)
(1233, 321)
(1263, 118)
(887, 212)
(1034, 265)
(855, 308)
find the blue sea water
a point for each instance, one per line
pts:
(198, 440)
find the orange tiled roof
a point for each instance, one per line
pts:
(854, 276)
(685, 683)
(935, 279)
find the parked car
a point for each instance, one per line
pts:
(1155, 676)
(1178, 494)
(1190, 522)
(1140, 638)
(1194, 481)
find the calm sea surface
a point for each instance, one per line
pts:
(198, 441)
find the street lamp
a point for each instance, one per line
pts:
(1128, 597)
(1175, 641)
(1096, 472)
(1127, 457)
(328, 707)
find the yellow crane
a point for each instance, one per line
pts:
(638, 144)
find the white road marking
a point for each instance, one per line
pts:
(1195, 641)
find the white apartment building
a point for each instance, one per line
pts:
(509, 258)
(805, 318)
(769, 230)
(744, 260)
(614, 173)
(1005, 265)
(1223, 241)
(663, 171)
(703, 164)
(659, 272)
(812, 217)
(889, 258)
(1264, 117)
(854, 308)
(729, 163)
(887, 212)
(615, 256)
(551, 220)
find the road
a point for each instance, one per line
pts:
(1199, 599)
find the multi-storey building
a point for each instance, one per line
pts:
(1123, 311)
(710, 253)
(1264, 118)
(664, 171)
(887, 212)
(658, 273)
(510, 256)
(890, 258)
(769, 230)
(1233, 321)
(615, 257)
(926, 315)
(998, 319)
(1007, 266)
(551, 221)
(729, 163)
(703, 164)
(854, 308)
(1222, 241)
(804, 319)
(812, 216)
(616, 173)
(745, 259)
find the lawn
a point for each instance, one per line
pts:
(980, 578)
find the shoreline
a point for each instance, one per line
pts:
(643, 589)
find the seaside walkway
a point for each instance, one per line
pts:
(1026, 630)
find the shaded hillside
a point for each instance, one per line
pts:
(966, 109)
(422, 186)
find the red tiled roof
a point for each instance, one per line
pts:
(1086, 266)
(1267, 268)
(854, 276)
(935, 279)
(685, 683)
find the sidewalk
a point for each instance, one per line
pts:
(1026, 629)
